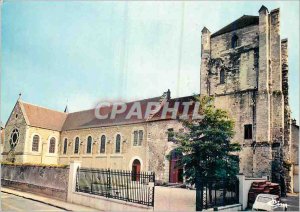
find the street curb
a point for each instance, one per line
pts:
(47, 203)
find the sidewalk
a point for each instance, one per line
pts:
(53, 202)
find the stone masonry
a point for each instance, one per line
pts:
(252, 60)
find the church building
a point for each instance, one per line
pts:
(243, 65)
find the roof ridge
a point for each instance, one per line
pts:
(23, 102)
(225, 29)
(125, 102)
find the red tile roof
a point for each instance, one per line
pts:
(50, 119)
(87, 118)
(42, 117)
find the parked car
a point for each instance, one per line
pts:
(268, 202)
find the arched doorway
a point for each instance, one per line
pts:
(136, 168)
(176, 171)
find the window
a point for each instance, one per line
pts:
(35, 143)
(234, 41)
(65, 146)
(138, 137)
(248, 131)
(222, 76)
(14, 138)
(52, 145)
(76, 148)
(135, 138)
(170, 134)
(264, 199)
(102, 144)
(89, 145)
(118, 143)
(141, 135)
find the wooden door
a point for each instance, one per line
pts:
(176, 172)
(136, 169)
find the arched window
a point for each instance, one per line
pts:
(52, 145)
(118, 143)
(135, 138)
(89, 145)
(141, 135)
(14, 138)
(234, 41)
(65, 146)
(76, 147)
(35, 143)
(102, 144)
(222, 76)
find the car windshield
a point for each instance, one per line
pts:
(264, 199)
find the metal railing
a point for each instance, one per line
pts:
(117, 184)
(220, 193)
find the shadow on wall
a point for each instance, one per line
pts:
(42, 180)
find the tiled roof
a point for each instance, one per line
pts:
(54, 120)
(87, 118)
(244, 21)
(180, 111)
(42, 117)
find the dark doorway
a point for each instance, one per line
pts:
(136, 168)
(176, 171)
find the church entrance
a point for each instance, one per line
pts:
(176, 171)
(136, 168)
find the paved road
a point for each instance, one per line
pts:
(14, 203)
(292, 201)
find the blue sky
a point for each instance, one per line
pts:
(85, 52)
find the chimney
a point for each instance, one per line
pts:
(168, 94)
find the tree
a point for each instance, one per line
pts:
(206, 147)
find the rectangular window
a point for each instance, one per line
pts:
(138, 137)
(248, 131)
(170, 134)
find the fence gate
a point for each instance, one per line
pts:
(117, 184)
(219, 193)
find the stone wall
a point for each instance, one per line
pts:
(295, 157)
(15, 121)
(242, 104)
(109, 159)
(42, 180)
(22, 153)
(255, 90)
(151, 154)
(160, 147)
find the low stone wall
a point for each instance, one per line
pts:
(106, 204)
(235, 207)
(43, 180)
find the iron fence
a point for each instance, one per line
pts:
(219, 193)
(117, 184)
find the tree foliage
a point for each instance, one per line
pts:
(206, 147)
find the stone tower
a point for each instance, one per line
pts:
(244, 65)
